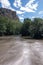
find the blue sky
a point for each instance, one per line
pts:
(24, 8)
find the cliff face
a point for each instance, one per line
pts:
(8, 13)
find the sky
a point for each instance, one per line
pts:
(24, 8)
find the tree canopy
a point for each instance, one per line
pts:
(9, 26)
(32, 28)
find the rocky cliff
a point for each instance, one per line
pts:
(8, 13)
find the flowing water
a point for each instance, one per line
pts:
(19, 51)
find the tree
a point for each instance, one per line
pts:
(35, 28)
(9, 26)
(25, 27)
(2, 25)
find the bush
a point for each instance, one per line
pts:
(9, 26)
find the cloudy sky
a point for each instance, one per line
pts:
(24, 8)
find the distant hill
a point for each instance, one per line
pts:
(8, 13)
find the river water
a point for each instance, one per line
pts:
(19, 51)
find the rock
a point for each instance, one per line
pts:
(8, 13)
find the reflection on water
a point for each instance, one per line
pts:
(19, 51)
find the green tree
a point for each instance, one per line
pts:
(9, 26)
(2, 25)
(35, 28)
(25, 27)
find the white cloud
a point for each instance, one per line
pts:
(31, 5)
(5, 3)
(17, 3)
(19, 12)
(21, 17)
(36, 17)
(41, 12)
(12, 9)
(33, 17)
(26, 9)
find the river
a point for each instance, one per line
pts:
(19, 51)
